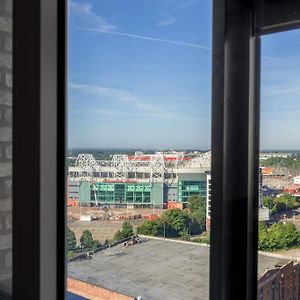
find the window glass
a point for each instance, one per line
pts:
(139, 106)
(279, 226)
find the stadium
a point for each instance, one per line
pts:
(160, 180)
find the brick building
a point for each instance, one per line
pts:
(5, 144)
(280, 283)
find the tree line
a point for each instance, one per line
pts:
(287, 162)
(278, 236)
(177, 222)
(280, 204)
(172, 223)
(88, 243)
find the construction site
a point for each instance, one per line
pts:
(104, 193)
(140, 186)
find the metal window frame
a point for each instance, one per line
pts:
(237, 28)
(39, 139)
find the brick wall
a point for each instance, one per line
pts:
(90, 291)
(5, 139)
(281, 283)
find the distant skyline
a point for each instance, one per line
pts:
(140, 77)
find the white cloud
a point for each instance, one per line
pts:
(143, 37)
(174, 6)
(272, 58)
(84, 15)
(102, 112)
(116, 94)
(87, 20)
(166, 22)
(141, 107)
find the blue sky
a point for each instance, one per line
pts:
(140, 76)
(280, 91)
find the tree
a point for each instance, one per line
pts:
(268, 202)
(184, 235)
(71, 240)
(278, 236)
(151, 227)
(176, 220)
(127, 230)
(87, 240)
(118, 235)
(96, 244)
(197, 207)
(196, 202)
(262, 236)
(288, 200)
(278, 208)
(199, 220)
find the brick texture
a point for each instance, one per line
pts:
(6, 83)
(90, 291)
(280, 283)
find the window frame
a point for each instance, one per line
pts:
(39, 169)
(237, 28)
(39, 140)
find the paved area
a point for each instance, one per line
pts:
(154, 270)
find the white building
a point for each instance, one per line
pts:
(296, 180)
(208, 201)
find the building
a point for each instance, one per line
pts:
(73, 190)
(267, 155)
(280, 283)
(154, 269)
(141, 180)
(208, 202)
(296, 180)
(122, 193)
(263, 212)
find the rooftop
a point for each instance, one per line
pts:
(155, 269)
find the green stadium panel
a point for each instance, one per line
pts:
(122, 193)
(157, 194)
(84, 192)
(141, 193)
(191, 185)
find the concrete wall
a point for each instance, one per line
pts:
(73, 190)
(5, 142)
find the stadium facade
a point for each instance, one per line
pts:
(139, 181)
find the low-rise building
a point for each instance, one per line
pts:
(280, 283)
(296, 180)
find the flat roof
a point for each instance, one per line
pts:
(154, 270)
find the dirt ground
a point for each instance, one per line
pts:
(277, 182)
(101, 230)
(114, 213)
(108, 222)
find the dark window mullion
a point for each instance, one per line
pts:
(233, 250)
